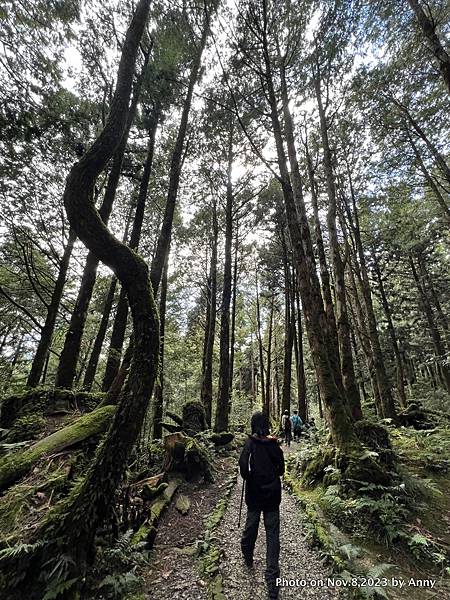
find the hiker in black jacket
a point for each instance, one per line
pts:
(261, 465)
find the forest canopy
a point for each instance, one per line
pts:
(207, 209)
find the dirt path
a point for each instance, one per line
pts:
(297, 560)
(173, 573)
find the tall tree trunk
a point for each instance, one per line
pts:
(324, 274)
(428, 27)
(223, 399)
(384, 386)
(260, 343)
(327, 368)
(52, 312)
(158, 400)
(433, 328)
(120, 320)
(392, 332)
(72, 532)
(441, 163)
(299, 355)
(72, 343)
(233, 311)
(210, 330)
(427, 283)
(343, 325)
(429, 179)
(268, 396)
(165, 234)
(91, 368)
(289, 329)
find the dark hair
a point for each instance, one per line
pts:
(260, 424)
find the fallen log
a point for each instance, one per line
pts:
(147, 531)
(15, 466)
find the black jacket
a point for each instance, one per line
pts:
(261, 465)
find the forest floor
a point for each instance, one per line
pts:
(174, 572)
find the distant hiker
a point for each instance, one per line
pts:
(296, 425)
(261, 465)
(286, 426)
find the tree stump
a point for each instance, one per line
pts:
(185, 455)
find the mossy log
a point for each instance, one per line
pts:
(13, 467)
(147, 531)
(186, 455)
(44, 400)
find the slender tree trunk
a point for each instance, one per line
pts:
(223, 399)
(210, 331)
(327, 368)
(384, 386)
(233, 311)
(266, 408)
(427, 283)
(434, 331)
(289, 330)
(324, 274)
(343, 325)
(441, 163)
(429, 179)
(392, 332)
(299, 356)
(165, 234)
(72, 343)
(428, 27)
(260, 344)
(159, 388)
(52, 312)
(91, 368)
(72, 532)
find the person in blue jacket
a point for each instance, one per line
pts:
(261, 465)
(296, 425)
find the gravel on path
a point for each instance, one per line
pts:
(297, 560)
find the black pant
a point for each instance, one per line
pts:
(288, 436)
(272, 527)
(297, 433)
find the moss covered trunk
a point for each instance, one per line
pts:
(72, 530)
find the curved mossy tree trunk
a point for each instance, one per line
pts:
(72, 343)
(69, 531)
(121, 317)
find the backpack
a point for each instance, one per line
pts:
(263, 477)
(287, 425)
(296, 421)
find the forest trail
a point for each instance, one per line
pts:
(174, 568)
(297, 559)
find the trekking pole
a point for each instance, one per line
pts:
(242, 499)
